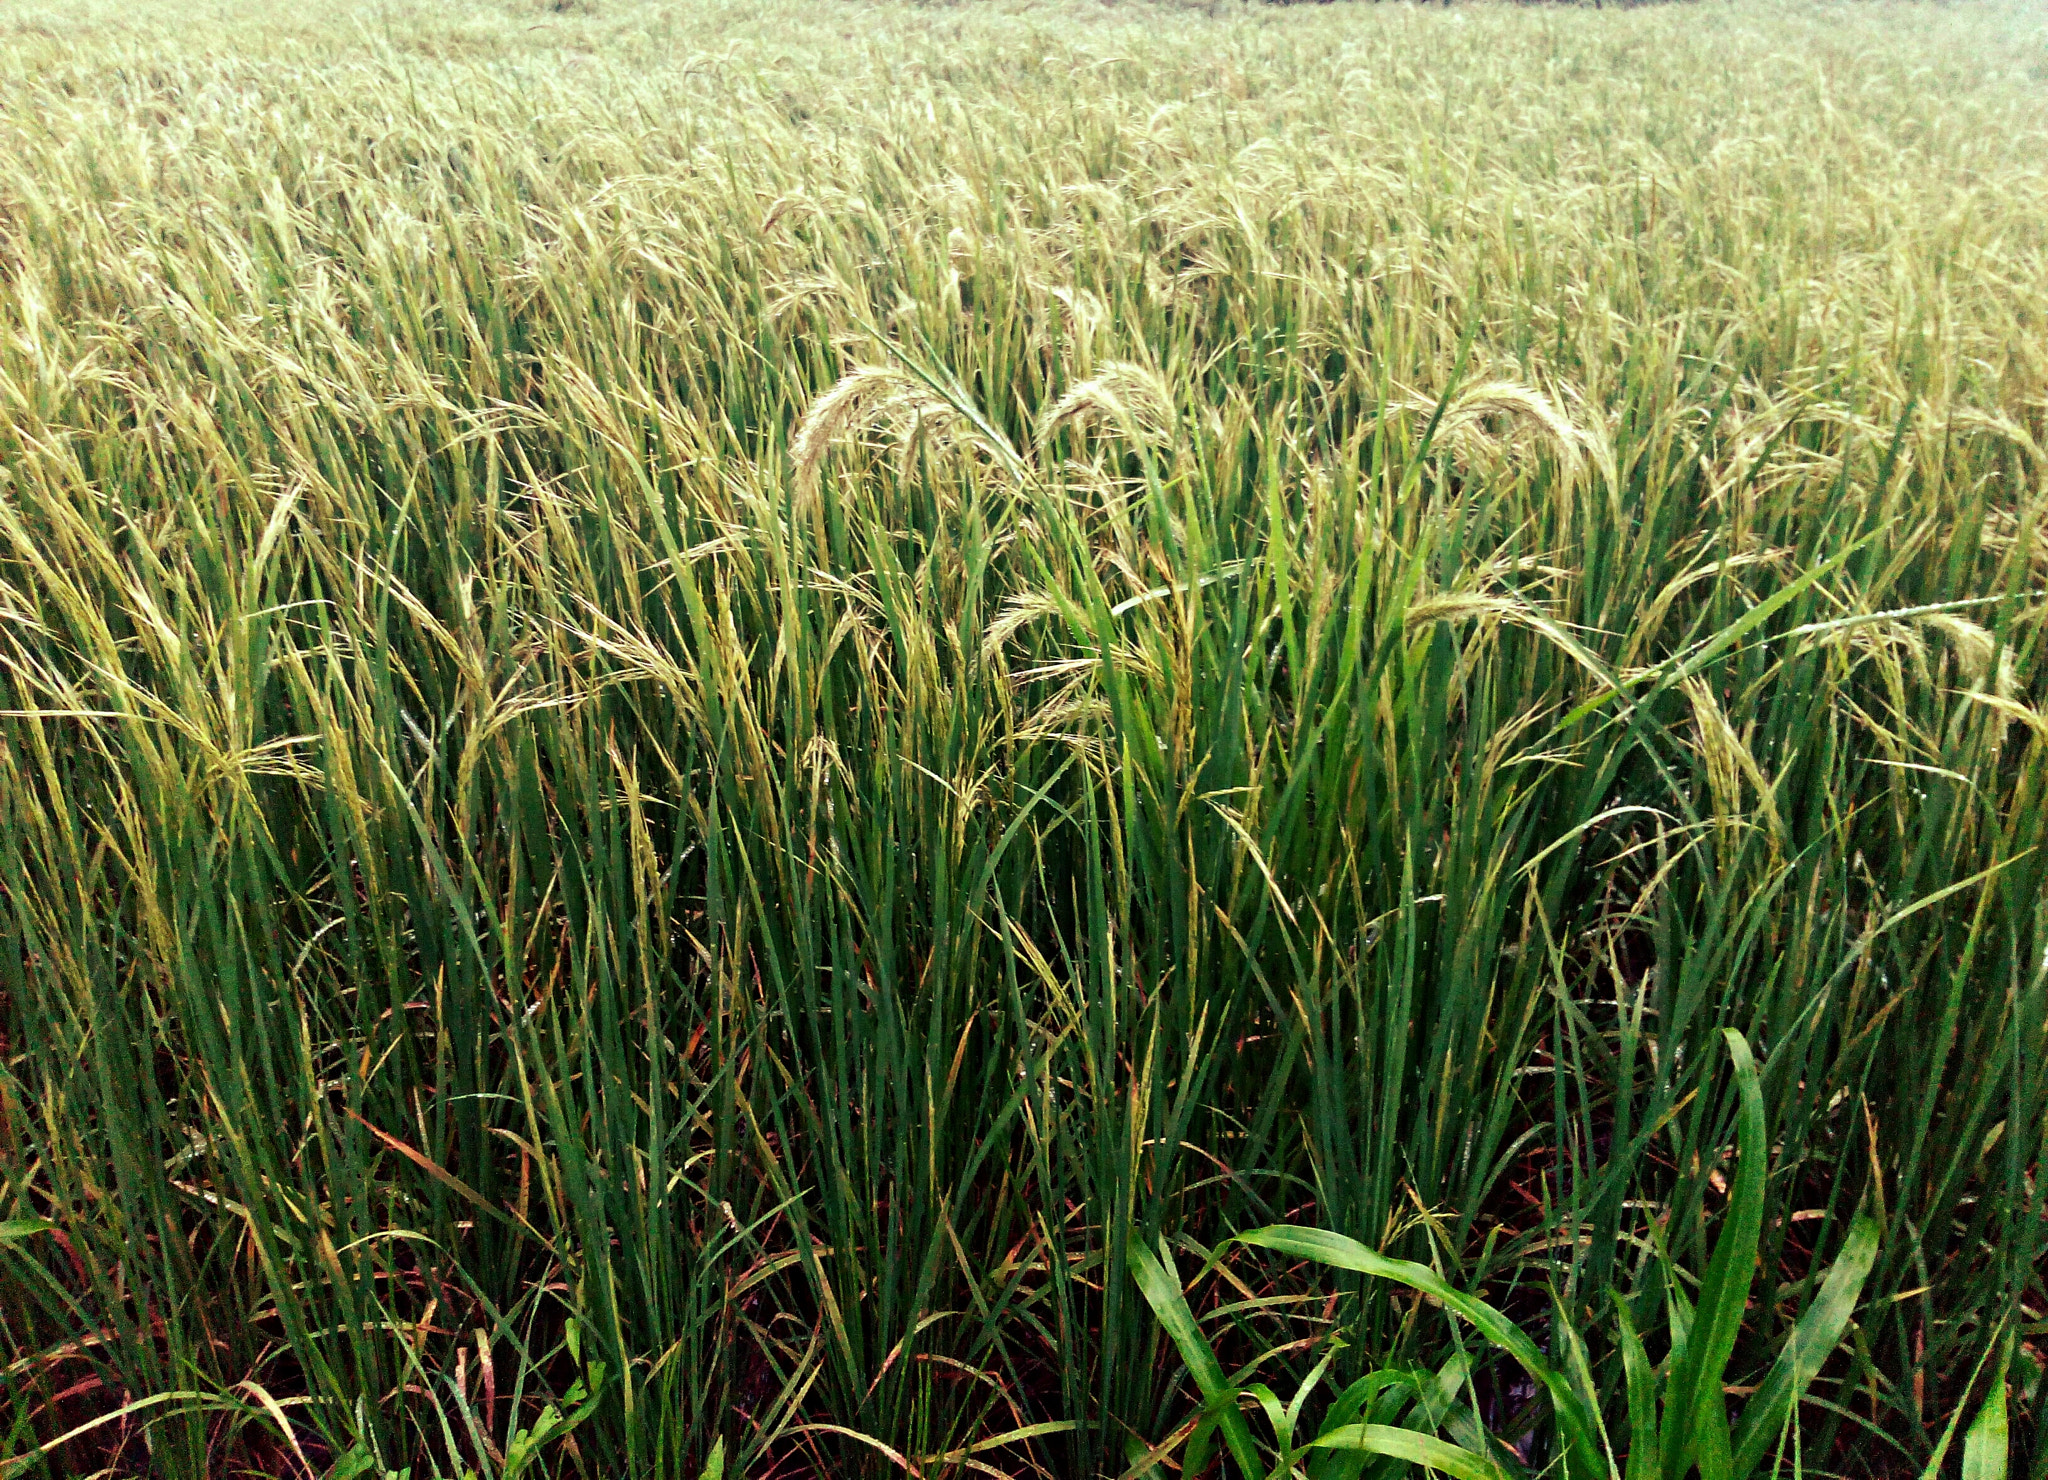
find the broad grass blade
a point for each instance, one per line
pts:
(1696, 1413)
(1578, 1426)
(1161, 1289)
(1813, 1337)
(1419, 1449)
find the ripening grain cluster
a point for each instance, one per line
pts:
(703, 700)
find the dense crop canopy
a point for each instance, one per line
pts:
(703, 700)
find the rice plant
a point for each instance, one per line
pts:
(705, 704)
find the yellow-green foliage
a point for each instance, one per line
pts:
(699, 696)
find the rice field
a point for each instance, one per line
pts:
(854, 739)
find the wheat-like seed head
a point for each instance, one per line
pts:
(1464, 423)
(1133, 398)
(832, 413)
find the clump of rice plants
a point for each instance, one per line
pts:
(701, 705)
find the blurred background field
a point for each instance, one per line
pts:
(702, 699)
